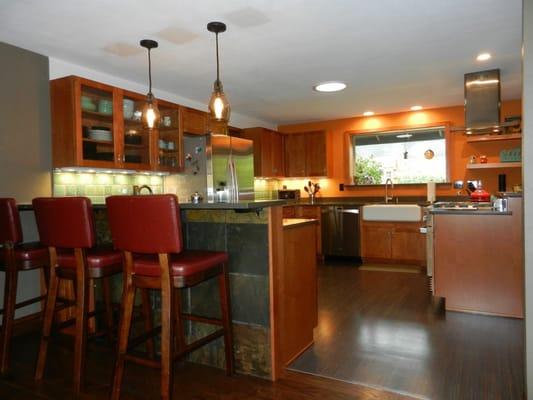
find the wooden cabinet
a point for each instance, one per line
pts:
(295, 155)
(479, 262)
(195, 121)
(315, 154)
(393, 242)
(305, 154)
(298, 307)
(268, 151)
(307, 212)
(99, 126)
(170, 138)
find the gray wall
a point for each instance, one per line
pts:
(25, 138)
(527, 157)
(25, 149)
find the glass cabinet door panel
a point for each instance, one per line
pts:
(136, 138)
(98, 133)
(169, 145)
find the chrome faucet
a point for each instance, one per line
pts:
(387, 197)
(137, 189)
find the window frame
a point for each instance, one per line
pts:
(349, 149)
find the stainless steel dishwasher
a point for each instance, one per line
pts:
(340, 231)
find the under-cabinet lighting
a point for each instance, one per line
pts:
(368, 113)
(416, 108)
(404, 136)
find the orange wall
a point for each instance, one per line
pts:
(460, 151)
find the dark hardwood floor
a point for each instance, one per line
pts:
(382, 329)
(193, 381)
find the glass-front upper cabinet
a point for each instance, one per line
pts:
(169, 145)
(136, 141)
(97, 124)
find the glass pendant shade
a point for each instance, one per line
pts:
(219, 107)
(150, 113)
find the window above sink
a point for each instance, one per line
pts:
(407, 156)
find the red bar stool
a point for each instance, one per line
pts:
(66, 226)
(15, 257)
(148, 230)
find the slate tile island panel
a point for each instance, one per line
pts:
(245, 237)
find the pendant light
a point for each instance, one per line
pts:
(219, 107)
(150, 112)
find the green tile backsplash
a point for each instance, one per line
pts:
(97, 186)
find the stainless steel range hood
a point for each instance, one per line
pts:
(482, 99)
(482, 103)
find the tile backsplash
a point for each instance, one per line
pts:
(97, 186)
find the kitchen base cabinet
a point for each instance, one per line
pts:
(307, 212)
(479, 263)
(393, 243)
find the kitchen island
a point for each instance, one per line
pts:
(478, 260)
(272, 284)
(272, 288)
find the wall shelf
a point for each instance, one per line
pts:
(494, 165)
(494, 138)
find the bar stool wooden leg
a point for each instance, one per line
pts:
(82, 307)
(223, 281)
(48, 317)
(167, 329)
(8, 318)
(106, 291)
(128, 299)
(180, 328)
(148, 322)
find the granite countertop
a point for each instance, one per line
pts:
(293, 222)
(204, 205)
(361, 201)
(459, 211)
(241, 205)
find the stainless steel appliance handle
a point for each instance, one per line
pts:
(351, 210)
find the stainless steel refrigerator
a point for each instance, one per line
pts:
(230, 168)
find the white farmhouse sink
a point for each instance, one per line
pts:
(392, 212)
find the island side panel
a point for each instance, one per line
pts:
(245, 237)
(478, 263)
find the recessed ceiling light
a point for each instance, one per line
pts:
(329, 87)
(483, 57)
(416, 108)
(368, 113)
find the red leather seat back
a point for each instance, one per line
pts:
(10, 228)
(66, 222)
(145, 224)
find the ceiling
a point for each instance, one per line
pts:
(391, 53)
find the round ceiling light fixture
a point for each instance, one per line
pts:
(329, 87)
(483, 57)
(368, 113)
(416, 108)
